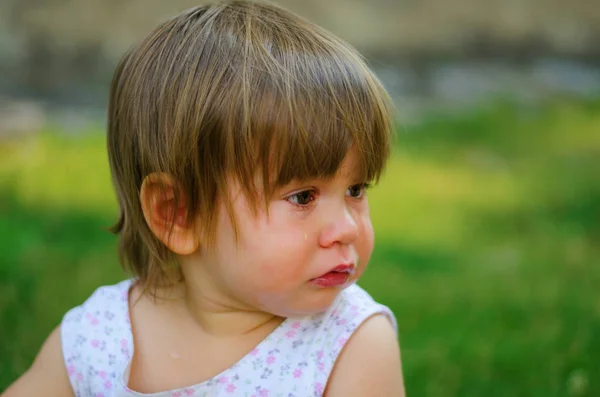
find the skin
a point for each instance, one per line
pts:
(234, 295)
(311, 227)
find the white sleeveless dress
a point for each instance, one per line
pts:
(295, 360)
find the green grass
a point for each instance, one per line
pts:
(488, 247)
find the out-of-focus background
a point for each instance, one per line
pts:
(487, 221)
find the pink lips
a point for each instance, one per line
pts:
(336, 277)
(342, 268)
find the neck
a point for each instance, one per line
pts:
(198, 298)
(220, 316)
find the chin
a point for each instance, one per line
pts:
(319, 302)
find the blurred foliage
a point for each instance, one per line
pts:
(487, 247)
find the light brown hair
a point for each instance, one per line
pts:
(229, 90)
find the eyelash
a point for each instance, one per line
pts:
(363, 187)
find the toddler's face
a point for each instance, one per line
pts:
(284, 263)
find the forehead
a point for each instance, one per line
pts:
(350, 168)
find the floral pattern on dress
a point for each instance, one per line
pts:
(295, 360)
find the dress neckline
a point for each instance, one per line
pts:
(125, 288)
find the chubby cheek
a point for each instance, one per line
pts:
(278, 256)
(365, 243)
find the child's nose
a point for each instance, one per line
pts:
(341, 227)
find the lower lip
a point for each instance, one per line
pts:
(331, 279)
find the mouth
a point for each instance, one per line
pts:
(336, 277)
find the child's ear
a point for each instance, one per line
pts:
(165, 217)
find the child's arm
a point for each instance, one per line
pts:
(47, 376)
(369, 364)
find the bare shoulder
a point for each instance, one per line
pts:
(369, 364)
(47, 376)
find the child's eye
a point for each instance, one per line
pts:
(302, 198)
(358, 190)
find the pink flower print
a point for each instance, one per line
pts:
(99, 394)
(79, 376)
(93, 320)
(263, 393)
(342, 341)
(189, 392)
(124, 347)
(320, 366)
(254, 352)
(334, 312)
(95, 343)
(319, 388)
(297, 373)
(108, 384)
(102, 374)
(320, 354)
(176, 394)
(223, 379)
(230, 388)
(71, 370)
(342, 322)
(290, 334)
(270, 359)
(296, 325)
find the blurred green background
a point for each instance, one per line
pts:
(487, 220)
(487, 246)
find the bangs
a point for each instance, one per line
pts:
(307, 108)
(342, 111)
